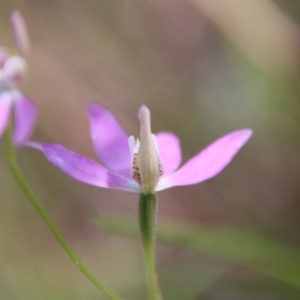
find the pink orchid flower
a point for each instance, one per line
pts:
(12, 71)
(140, 166)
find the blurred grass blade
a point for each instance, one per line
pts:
(263, 255)
(272, 32)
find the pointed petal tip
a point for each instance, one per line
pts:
(20, 32)
(244, 135)
(247, 131)
(15, 12)
(92, 105)
(15, 16)
(94, 109)
(33, 144)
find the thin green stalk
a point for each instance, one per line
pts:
(11, 159)
(147, 212)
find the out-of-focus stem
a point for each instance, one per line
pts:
(11, 159)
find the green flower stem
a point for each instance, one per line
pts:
(147, 212)
(11, 159)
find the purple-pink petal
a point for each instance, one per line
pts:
(110, 140)
(25, 119)
(20, 32)
(84, 169)
(5, 108)
(169, 149)
(209, 162)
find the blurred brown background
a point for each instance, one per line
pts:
(204, 68)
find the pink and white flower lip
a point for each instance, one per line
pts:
(13, 69)
(145, 166)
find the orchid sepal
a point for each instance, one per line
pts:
(164, 153)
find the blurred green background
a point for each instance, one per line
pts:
(204, 68)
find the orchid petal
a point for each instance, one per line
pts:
(209, 162)
(84, 169)
(169, 150)
(110, 140)
(5, 108)
(20, 32)
(25, 118)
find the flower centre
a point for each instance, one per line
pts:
(12, 70)
(147, 166)
(136, 170)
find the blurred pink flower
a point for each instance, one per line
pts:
(12, 70)
(144, 166)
